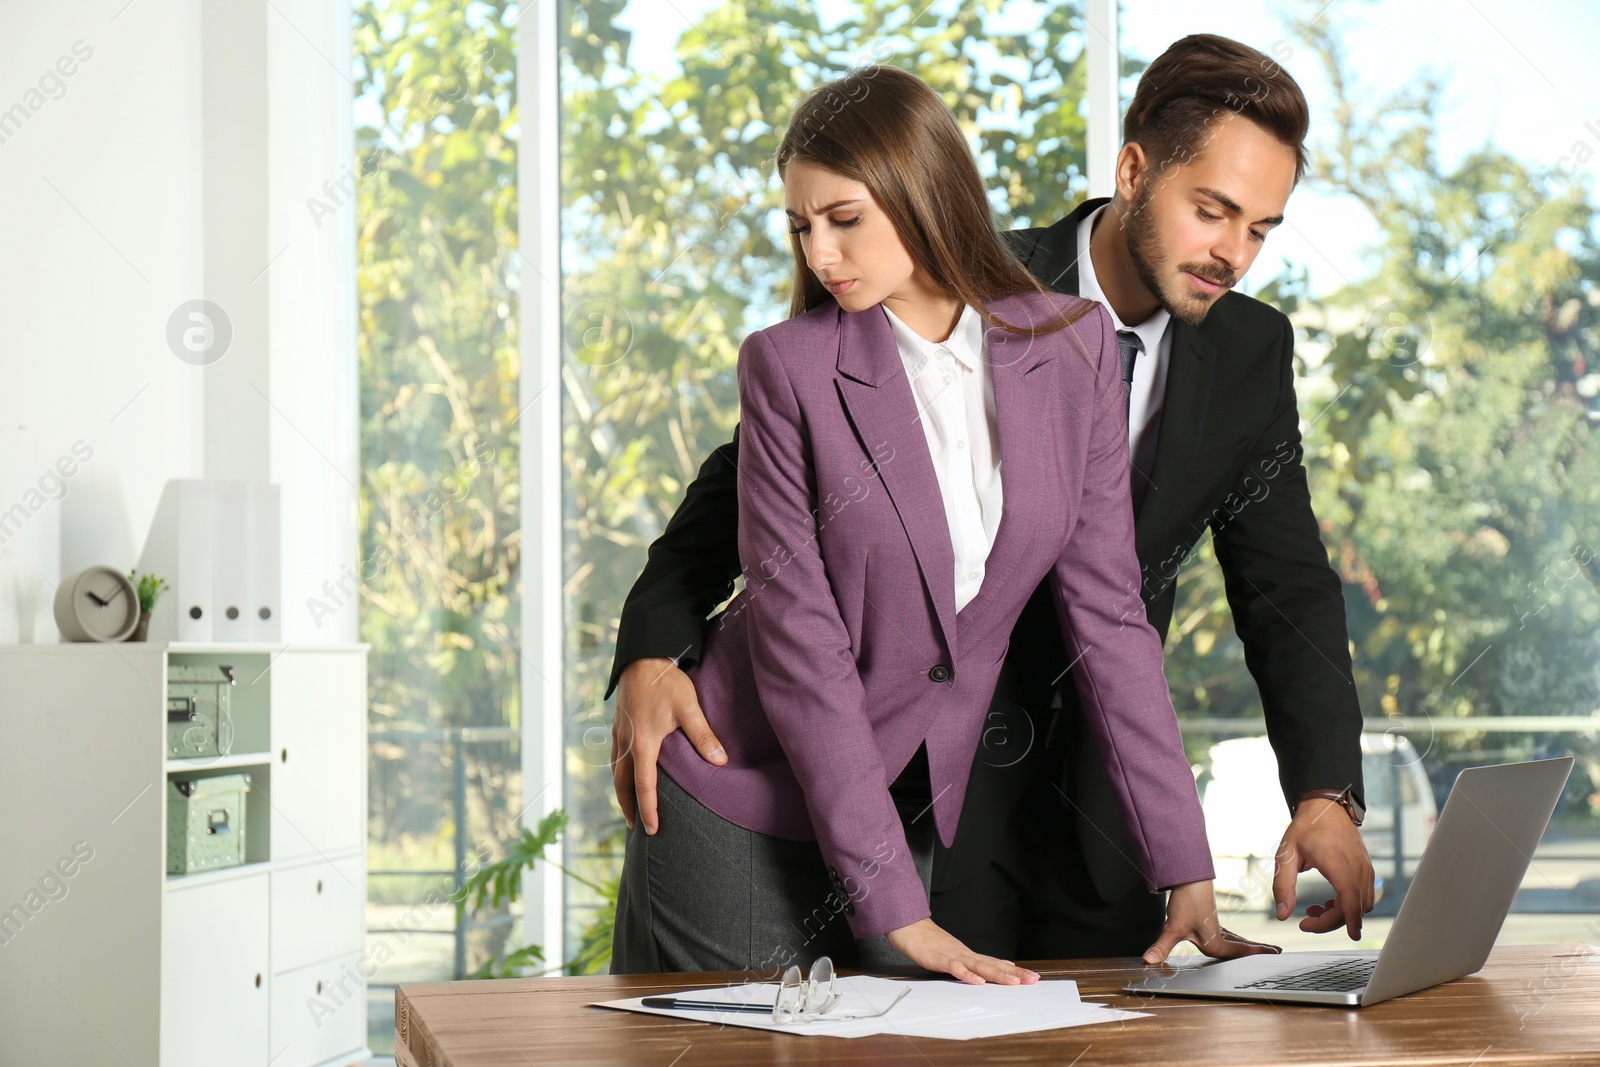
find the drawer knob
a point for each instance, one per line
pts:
(319, 987)
(319, 885)
(283, 757)
(258, 979)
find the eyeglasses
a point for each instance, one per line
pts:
(810, 999)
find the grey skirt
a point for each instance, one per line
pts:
(703, 894)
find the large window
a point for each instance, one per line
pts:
(435, 188)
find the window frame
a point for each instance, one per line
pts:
(539, 397)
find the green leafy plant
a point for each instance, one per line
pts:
(149, 588)
(500, 883)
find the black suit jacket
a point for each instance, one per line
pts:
(1228, 458)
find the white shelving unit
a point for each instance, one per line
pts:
(107, 959)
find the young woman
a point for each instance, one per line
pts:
(926, 438)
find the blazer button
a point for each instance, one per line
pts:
(940, 673)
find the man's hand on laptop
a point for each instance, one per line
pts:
(1192, 917)
(1322, 836)
(654, 698)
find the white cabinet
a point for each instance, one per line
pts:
(317, 803)
(319, 1011)
(113, 961)
(317, 913)
(214, 971)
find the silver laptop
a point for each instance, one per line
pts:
(1466, 879)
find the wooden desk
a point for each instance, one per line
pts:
(1528, 1005)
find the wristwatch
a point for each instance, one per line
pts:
(1342, 797)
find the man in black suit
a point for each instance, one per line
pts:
(1213, 147)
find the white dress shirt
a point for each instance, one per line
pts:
(954, 389)
(1149, 393)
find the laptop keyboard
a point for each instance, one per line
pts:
(1343, 977)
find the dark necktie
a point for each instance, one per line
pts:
(1128, 345)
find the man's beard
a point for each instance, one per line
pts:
(1144, 249)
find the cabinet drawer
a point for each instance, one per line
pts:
(318, 911)
(214, 981)
(319, 1013)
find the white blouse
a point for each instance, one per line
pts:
(953, 385)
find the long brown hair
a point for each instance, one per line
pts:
(889, 130)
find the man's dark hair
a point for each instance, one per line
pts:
(1198, 81)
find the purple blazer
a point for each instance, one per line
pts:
(845, 652)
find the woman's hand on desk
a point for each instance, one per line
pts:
(654, 698)
(1192, 917)
(928, 946)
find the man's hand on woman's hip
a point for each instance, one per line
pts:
(654, 698)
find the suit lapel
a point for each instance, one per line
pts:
(1054, 257)
(1183, 416)
(877, 396)
(1054, 261)
(1022, 414)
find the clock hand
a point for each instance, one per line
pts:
(97, 600)
(115, 593)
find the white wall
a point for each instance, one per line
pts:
(158, 172)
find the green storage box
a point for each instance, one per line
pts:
(205, 823)
(199, 701)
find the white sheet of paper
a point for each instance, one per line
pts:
(949, 1010)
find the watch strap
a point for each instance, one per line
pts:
(1342, 797)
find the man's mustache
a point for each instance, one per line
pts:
(1220, 275)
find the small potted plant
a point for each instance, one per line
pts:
(150, 589)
